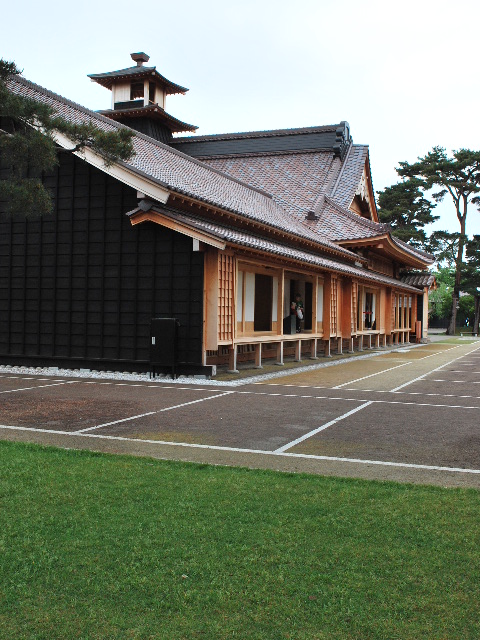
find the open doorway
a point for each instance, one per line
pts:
(305, 289)
(262, 315)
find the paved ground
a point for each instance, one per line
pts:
(408, 415)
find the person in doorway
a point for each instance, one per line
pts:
(296, 309)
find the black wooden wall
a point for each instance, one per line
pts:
(82, 285)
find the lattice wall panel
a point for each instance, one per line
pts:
(333, 306)
(226, 270)
(353, 319)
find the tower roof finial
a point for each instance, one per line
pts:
(140, 58)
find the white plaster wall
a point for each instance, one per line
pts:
(121, 92)
(320, 303)
(240, 296)
(249, 296)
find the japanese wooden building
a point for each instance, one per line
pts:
(219, 232)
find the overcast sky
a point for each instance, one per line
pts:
(403, 74)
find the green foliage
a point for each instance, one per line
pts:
(440, 300)
(28, 147)
(459, 175)
(466, 309)
(444, 246)
(406, 210)
(471, 276)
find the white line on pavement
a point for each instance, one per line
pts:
(428, 373)
(150, 413)
(289, 445)
(305, 456)
(339, 386)
(40, 386)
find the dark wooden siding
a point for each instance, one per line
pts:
(265, 144)
(83, 284)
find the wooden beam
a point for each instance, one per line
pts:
(327, 292)
(280, 297)
(346, 309)
(258, 356)
(211, 300)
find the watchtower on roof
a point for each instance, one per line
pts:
(138, 99)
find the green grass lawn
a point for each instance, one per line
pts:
(107, 547)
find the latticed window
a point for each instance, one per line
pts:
(333, 306)
(226, 268)
(353, 319)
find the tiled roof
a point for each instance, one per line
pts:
(182, 174)
(254, 241)
(106, 79)
(268, 133)
(154, 111)
(295, 180)
(419, 279)
(406, 247)
(350, 175)
(339, 223)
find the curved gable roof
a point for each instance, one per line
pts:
(183, 174)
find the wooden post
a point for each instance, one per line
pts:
(327, 313)
(298, 350)
(280, 353)
(314, 304)
(211, 300)
(258, 356)
(387, 311)
(313, 353)
(346, 309)
(350, 345)
(360, 342)
(232, 359)
(280, 297)
(339, 346)
(327, 349)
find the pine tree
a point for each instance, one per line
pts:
(28, 147)
(458, 176)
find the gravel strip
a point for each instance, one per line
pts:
(194, 380)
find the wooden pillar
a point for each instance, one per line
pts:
(369, 338)
(350, 346)
(280, 297)
(232, 359)
(327, 349)
(258, 356)
(280, 354)
(346, 309)
(360, 342)
(314, 304)
(387, 310)
(313, 352)
(211, 300)
(298, 350)
(377, 341)
(425, 314)
(339, 346)
(327, 293)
